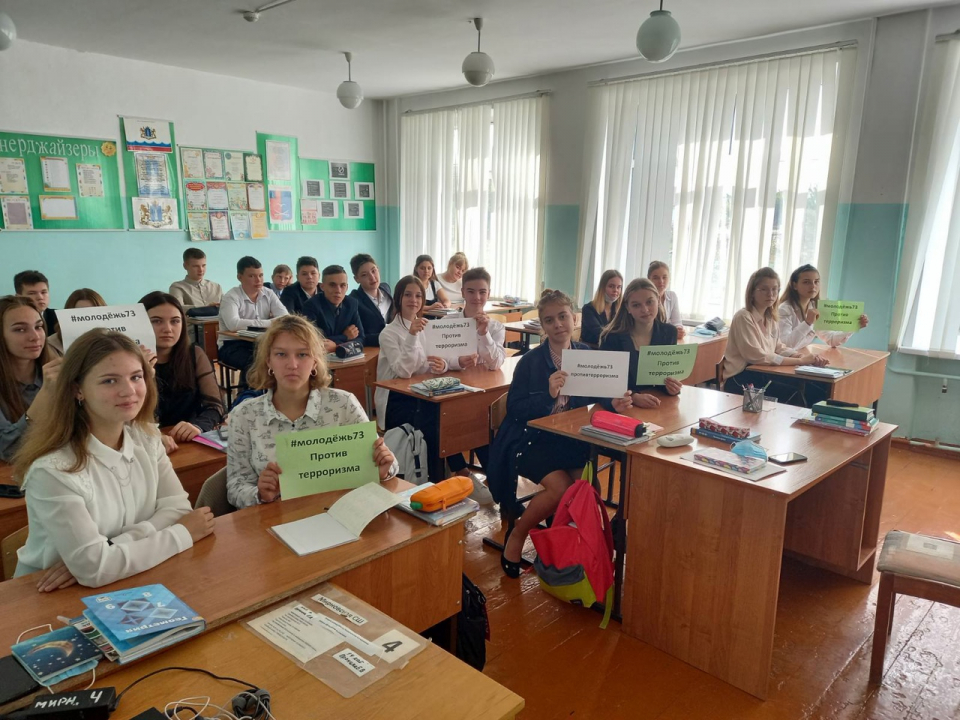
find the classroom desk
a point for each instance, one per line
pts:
(705, 547)
(457, 422)
(192, 462)
(205, 334)
(709, 353)
(242, 568)
(523, 332)
(492, 307)
(435, 684)
(863, 385)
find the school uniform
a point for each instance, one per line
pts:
(333, 321)
(199, 404)
(116, 517)
(11, 428)
(239, 312)
(196, 294)
(374, 313)
(454, 290)
(797, 333)
(431, 290)
(671, 308)
(402, 355)
(490, 347)
(662, 334)
(294, 297)
(50, 320)
(592, 323)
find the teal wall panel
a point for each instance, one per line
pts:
(561, 227)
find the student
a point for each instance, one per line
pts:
(82, 298)
(374, 301)
(28, 371)
(193, 290)
(331, 310)
(280, 280)
(600, 311)
(490, 333)
(403, 354)
(798, 312)
(291, 366)
(754, 339)
(242, 307)
(436, 295)
(34, 285)
(639, 322)
(189, 398)
(306, 286)
(451, 280)
(537, 391)
(103, 501)
(659, 274)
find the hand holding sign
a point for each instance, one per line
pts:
(451, 338)
(595, 373)
(659, 362)
(325, 459)
(131, 320)
(839, 316)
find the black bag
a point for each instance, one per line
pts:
(207, 311)
(473, 627)
(349, 349)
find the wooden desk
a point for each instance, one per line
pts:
(864, 385)
(458, 422)
(435, 684)
(709, 353)
(243, 568)
(205, 334)
(492, 307)
(705, 547)
(523, 334)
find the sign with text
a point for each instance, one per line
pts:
(131, 320)
(659, 362)
(595, 373)
(328, 458)
(839, 316)
(451, 338)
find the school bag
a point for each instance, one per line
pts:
(575, 554)
(410, 449)
(473, 626)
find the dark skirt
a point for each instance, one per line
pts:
(542, 453)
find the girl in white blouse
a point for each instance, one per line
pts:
(291, 366)
(452, 279)
(798, 312)
(659, 274)
(103, 501)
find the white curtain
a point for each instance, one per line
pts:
(471, 180)
(717, 171)
(927, 315)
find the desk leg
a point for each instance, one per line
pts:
(428, 422)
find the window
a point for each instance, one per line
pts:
(470, 181)
(718, 172)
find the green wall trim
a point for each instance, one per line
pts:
(561, 227)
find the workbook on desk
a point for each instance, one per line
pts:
(342, 524)
(830, 373)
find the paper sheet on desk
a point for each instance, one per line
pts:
(294, 628)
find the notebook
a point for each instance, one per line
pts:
(57, 655)
(440, 517)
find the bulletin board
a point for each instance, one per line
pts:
(223, 194)
(82, 180)
(337, 203)
(150, 176)
(281, 172)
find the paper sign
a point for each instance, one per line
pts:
(131, 320)
(324, 459)
(293, 628)
(451, 338)
(658, 362)
(342, 610)
(595, 373)
(839, 316)
(356, 664)
(394, 645)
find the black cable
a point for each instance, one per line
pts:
(250, 686)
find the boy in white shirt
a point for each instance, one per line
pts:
(193, 290)
(490, 333)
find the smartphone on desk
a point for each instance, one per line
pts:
(10, 491)
(787, 458)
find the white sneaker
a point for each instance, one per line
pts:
(480, 492)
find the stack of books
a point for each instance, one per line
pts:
(845, 418)
(821, 372)
(428, 389)
(333, 359)
(532, 324)
(440, 517)
(726, 460)
(710, 428)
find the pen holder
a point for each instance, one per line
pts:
(753, 400)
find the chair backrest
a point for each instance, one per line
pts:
(531, 314)
(8, 549)
(720, 375)
(577, 326)
(213, 494)
(498, 411)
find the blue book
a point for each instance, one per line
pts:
(57, 655)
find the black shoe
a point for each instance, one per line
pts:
(510, 569)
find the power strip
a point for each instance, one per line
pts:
(93, 704)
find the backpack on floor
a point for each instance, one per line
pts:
(473, 626)
(410, 449)
(575, 554)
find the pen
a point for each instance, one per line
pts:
(767, 385)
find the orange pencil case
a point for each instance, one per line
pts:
(442, 495)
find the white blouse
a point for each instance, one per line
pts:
(402, 355)
(796, 333)
(671, 308)
(114, 518)
(454, 290)
(255, 423)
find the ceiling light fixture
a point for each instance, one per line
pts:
(349, 93)
(478, 66)
(659, 36)
(8, 31)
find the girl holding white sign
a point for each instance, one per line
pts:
(641, 322)
(798, 312)
(291, 365)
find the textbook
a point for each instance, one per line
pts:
(823, 372)
(811, 418)
(216, 438)
(845, 422)
(128, 624)
(843, 411)
(440, 517)
(703, 432)
(617, 438)
(57, 655)
(333, 359)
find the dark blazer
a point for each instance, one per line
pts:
(332, 321)
(591, 324)
(373, 321)
(528, 399)
(663, 334)
(294, 298)
(50, 320)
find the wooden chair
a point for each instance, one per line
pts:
(227, 385)
(213, 494)
(719, 375)
(8, 550)
(916, 565)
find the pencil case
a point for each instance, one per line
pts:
(442, 495)
(729, 430)
(620, 424)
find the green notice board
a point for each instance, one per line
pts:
(346, 202)
(282, 177)
(81, 177)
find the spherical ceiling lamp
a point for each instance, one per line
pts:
(8, 31)
(349, 93)
(478, 67)
(659, 36)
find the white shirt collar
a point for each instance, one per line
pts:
(108, 455)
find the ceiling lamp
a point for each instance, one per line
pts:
(349, 93)
(659, 36)
(478, 66)
(8, 31)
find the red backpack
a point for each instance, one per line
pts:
(575, 554)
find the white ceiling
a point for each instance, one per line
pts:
(402, 46)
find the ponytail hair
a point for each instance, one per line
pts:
(553, 297)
